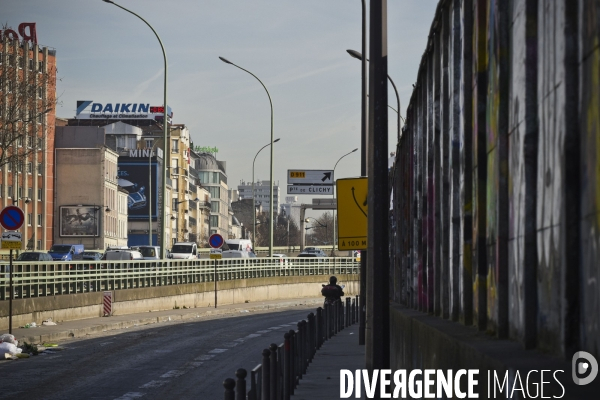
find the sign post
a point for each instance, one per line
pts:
(215, 241)
(11, 219)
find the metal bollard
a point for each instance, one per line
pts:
(311, 336)
(274, 372)
(265, 383)
(293, 360)
(287, 374)
(240, 385)
(352, 311)
(357, 309)
(229, 384)
(348, 308)
(319, 328)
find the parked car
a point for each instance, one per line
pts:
(236, 254)
(34, 256)
(184, 250)
(149, 252)
(284, 262)
(66, 252)
(122, 255)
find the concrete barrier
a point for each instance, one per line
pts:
(129, 301)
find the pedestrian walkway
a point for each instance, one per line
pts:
(322, 379)
(90, 326)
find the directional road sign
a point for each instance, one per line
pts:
(11, 218)
(310, 189)
(310, 177)
(352, 213)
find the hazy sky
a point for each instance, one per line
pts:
(296, 47)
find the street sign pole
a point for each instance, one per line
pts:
(10, 300)
(216, 277)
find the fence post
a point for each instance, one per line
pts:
(229, 384)
(240, 386)
(266, 374)
(274, 372)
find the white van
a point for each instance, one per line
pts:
(184, 251)
(239, 244)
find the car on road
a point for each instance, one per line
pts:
(149, 252)
(284, 261)
(122, 255)
(34, 256)
(312, 252)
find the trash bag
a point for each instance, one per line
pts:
(48, 322)
(8, 338)
(9, 348)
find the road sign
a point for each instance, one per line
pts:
(11, 218)
(216, 254)
(215, 241)
(310, 177)
(310, 189)
(352, 213)
(11, 236)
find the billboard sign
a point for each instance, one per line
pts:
(88, 109)
(134, 176)
(80, 220)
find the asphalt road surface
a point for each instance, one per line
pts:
(165, 361)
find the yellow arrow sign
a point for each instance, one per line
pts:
(352, 213)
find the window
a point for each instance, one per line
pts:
(40, 92)
(29, 167)
(10, 190)
(39, 220)
(40, 143)
(11, 59)
(11, 86)
(40, 118)
(29, 219)
(39, 194)
(21, 62)
(20, 192)
(174, 146)
(40, 168)
(31, 64)
(40, 66)
(149, 143)
(214, 220)
(215, 192)
(31, 115)
(9, 166)
(20, 141)
(30, 138)
(214, 206)
(30, 193)
(19, 167)
(39, 245)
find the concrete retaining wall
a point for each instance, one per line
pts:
(89, 305)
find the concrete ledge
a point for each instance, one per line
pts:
(422, 341)
(129, 301)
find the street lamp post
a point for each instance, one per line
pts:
(336, 163)
(253, 195)
(359, 56)
(163, 212)
(271, 172)
(177, 203)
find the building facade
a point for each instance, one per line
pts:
(212, 176)
(262, 191)
(27, 119)
(90, 205)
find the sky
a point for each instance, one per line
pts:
(296, 47)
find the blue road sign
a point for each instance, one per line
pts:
(11, 218)
(215, 241)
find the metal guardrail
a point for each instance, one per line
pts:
(62, 278)
(282, 367)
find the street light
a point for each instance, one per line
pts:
(318, 222)
(271, 173)
(176, 204)
(253, 196)
(336, 163)
(357, 55)
(163, 212)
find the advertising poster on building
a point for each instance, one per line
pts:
(138, 177)
(79, 221)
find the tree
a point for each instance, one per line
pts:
(321, 232)
(27, 93)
